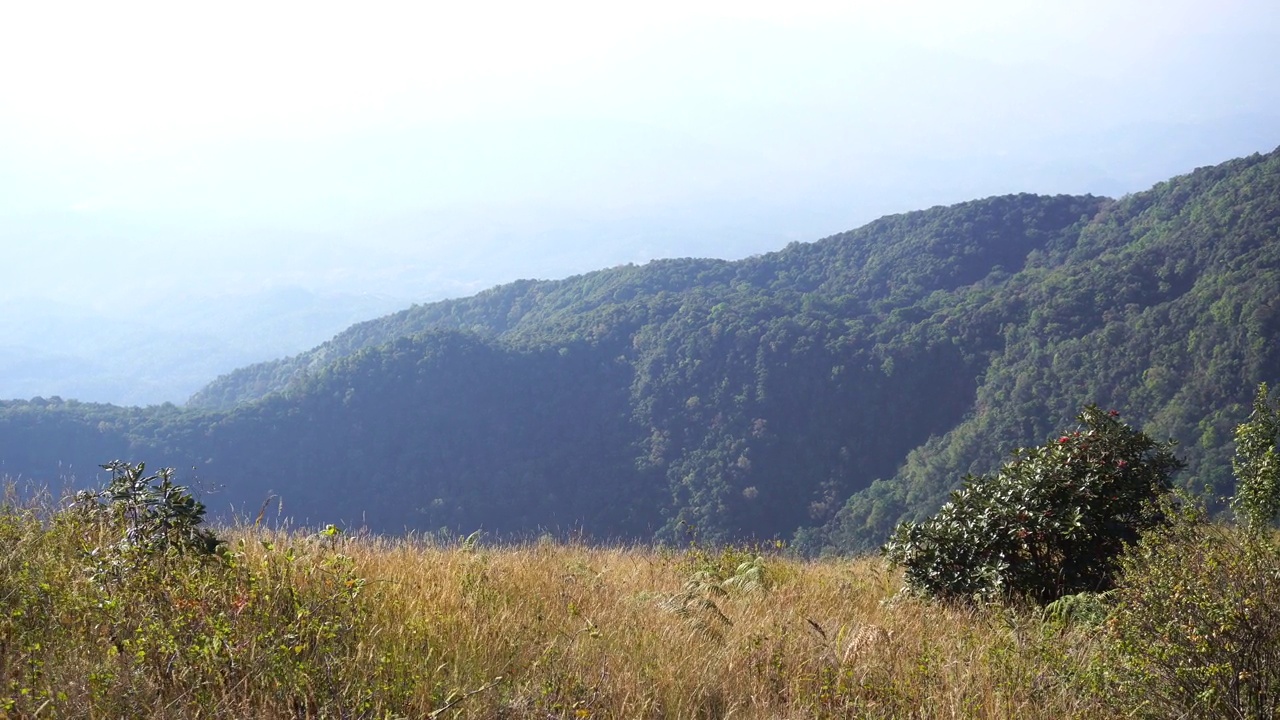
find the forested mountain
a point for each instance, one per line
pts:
(1167, 307)
(830, 388)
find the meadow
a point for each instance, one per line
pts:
(301, 624)
(121, 603)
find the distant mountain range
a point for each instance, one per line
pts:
(167, 348)
(822, 392)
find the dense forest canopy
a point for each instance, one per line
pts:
(823, 392)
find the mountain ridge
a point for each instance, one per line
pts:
(821, 392)
(502, 310)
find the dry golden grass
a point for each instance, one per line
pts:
(296, 625)
(547, 630)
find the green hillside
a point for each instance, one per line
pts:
(1167, 307)
(830, 388)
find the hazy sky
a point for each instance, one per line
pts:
(430, 148)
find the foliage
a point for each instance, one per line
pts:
(1163, 304)
(1257, 465)
(1090, 608)
(1196, 622)
(152, 513)
(324, 625)
(1051, 522)
(158, 623)
(833, 388)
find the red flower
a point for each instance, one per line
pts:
(1113, 413)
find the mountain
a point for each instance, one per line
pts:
(824, 391)
(1166, 308)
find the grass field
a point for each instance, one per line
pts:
(299, 625)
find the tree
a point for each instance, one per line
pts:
(1051, 522)
(1257, 465)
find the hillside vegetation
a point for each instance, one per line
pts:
(822, 392)
(120, 602)
(298, 625)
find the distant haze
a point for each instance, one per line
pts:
(226, 183)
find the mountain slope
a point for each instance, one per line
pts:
(1166, 308)
(833, 387)
(892, 262)
(705, 378)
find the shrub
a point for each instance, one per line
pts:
(1051, 522)
(152, 513)
(1197, 618)
(120, 604)
(1196, 623)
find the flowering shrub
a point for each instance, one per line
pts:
(1051, 522)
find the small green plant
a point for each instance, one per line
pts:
(1087, 608)
(1051, 522)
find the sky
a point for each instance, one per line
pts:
(176, 153)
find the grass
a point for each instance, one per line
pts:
(290, 624)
